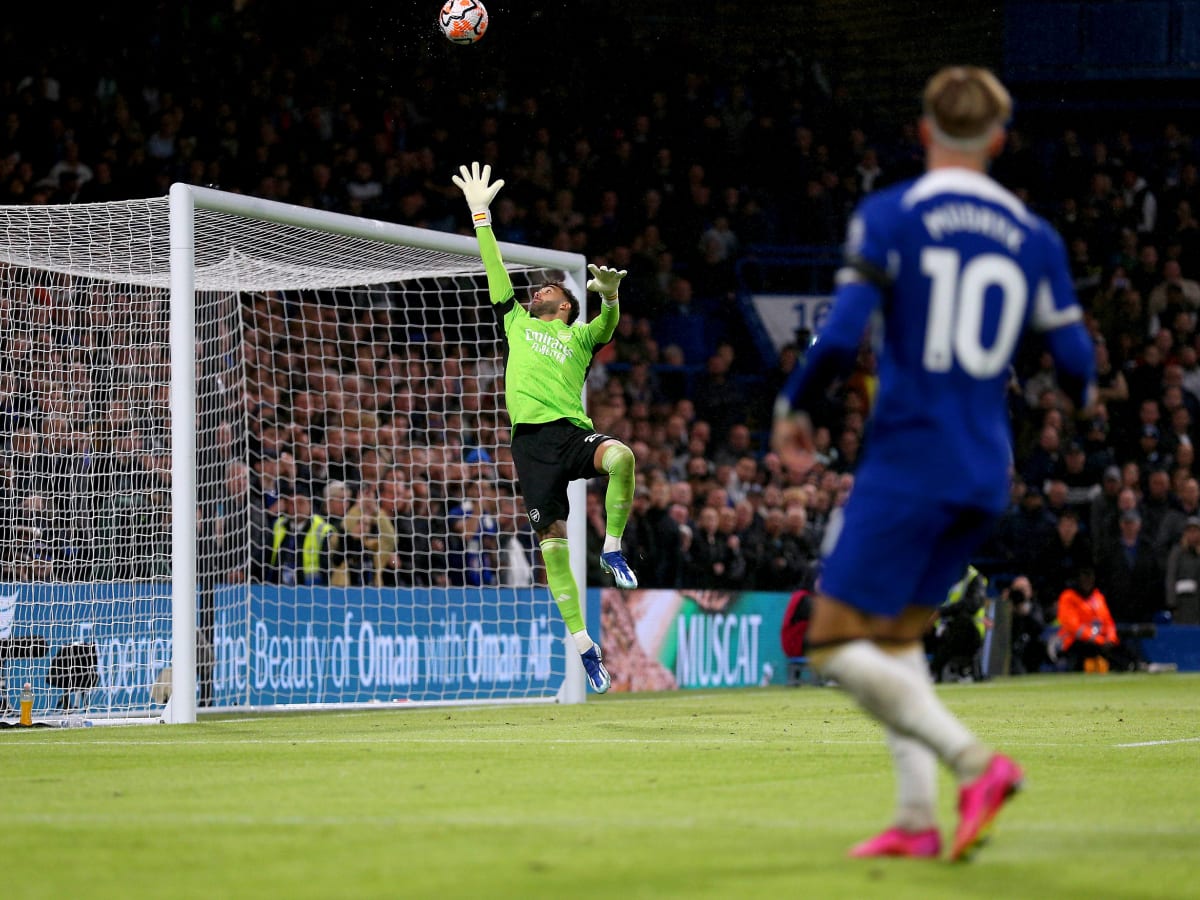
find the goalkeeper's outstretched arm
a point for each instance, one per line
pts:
(605, 282)
(479, 190)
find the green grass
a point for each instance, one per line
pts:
(752, 793)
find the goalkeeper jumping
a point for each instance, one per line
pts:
(553, 441)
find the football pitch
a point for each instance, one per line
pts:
(750, 793)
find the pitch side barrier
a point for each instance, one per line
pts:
(280, 647)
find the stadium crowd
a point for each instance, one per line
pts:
(402, 451)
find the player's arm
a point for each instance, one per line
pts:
(479, 190)
(605, 282)
(1058, 315)
(860, 289)
(861, 284)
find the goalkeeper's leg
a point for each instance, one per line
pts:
(617, 461)
(561, 580)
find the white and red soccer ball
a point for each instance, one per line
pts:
(463, 21)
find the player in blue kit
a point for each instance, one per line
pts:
(956, 270)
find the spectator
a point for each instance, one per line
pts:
(1183, 575)
(1044, 461)
(1139, 199)
(838, 496)
(777, 558)
(1023, 529)
(1145, 379)
(420, 556)
(370, 538)
(640, 539)
(1189, 364)
(1130, 572)
(471, 544)
(1111, 387)
(1059, 560)
(241, 535)
(517, 553)
(1155, 504)
(717, 560)
(735, 446)
(1185, 505)
(1058, 497)
(1103, 509)
(668, 536)
(1080, 480)
(1147, 271)
(1162, 304)
(346, 552)
(719, 400)
(1151, 454)
(595, 539)
(1096, 444)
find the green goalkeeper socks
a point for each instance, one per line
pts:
(619, 463)
(561, 580)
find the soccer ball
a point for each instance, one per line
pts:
(463, 21)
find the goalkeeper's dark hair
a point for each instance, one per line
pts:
(571, 298)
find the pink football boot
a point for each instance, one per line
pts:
(979, 801)
(898, 842)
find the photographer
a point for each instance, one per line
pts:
(1028, 625)
(956, 635)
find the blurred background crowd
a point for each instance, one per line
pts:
(681, 164)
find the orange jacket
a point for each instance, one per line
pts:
(1084, 617)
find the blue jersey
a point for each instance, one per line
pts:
(958, 269)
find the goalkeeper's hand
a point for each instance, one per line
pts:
(605, 281)
(479, 193)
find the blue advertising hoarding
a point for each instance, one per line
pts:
(129, 625)
(273, 645)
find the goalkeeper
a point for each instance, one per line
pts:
(553, 441)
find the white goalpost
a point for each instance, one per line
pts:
(257, 458)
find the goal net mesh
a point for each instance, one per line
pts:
(358, 533)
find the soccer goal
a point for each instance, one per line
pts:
(257, 457)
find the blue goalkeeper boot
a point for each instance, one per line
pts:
(614, 563)
(594, 666)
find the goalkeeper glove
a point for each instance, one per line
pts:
(605, 281)
(478, 193)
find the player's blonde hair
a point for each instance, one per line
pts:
(964, 106)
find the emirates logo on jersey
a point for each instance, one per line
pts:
(546, 345)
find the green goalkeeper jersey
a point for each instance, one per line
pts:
(547, 362)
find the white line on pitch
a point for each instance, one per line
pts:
(399, 740)
(1188, 740)
(427, 818)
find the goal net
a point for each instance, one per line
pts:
(257, 457)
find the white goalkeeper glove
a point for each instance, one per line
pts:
(605, 281)
(478, 192)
